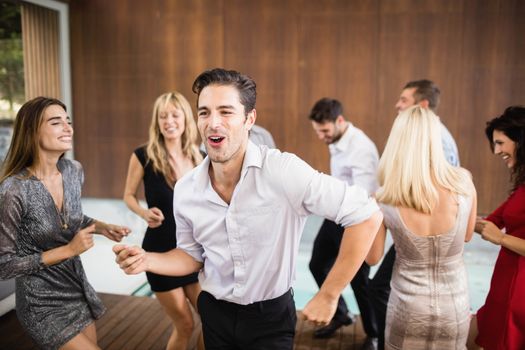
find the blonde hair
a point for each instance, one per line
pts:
(413, 165)
(156, 147)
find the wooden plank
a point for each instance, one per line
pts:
(141, 326)
(115, 315)
(140, 323)
(13, 335)
(122, 322)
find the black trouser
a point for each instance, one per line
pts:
(324, 253)
(380, 291)
(264, 325)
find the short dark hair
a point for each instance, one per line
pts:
(326, 110)
(425, 90)
(220, 76)
(512, 124)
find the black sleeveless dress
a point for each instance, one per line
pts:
(161, 239)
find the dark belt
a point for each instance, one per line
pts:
(258, 305)
(271, 302)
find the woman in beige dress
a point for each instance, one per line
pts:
(429, 206)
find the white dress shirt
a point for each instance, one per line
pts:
(249, 247)
(354, 159)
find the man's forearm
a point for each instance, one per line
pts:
(176, 262)
(355, 245)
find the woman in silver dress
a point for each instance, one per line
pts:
(429, 207)
(43, 230)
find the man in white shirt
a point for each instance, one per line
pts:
(240, 215)
(354, 160)
(425, 93)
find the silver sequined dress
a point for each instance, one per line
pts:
(428, 306)
(53, 303)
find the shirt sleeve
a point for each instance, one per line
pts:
(311, 192)
(449, 146)
(364, 173)
(185, 238)
(12, 264)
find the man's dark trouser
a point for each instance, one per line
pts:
(380, 291)
(264, 325)
(324, 253)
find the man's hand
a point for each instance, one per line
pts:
(132, 260)
(321, 309)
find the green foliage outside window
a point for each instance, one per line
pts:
(11, 60)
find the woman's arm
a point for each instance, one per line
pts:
(492, 233)
(472, 217)
(152, 216)
(111, 231)
(14, 265)
(82, 241)
(378, 247)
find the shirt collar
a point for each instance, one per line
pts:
(252, 157)
(344, 142)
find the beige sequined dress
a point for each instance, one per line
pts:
(429, 304)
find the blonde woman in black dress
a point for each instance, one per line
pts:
(43, 230)
(172, 151)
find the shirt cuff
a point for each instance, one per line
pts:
(359, 215)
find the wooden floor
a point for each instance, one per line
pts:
(139, 323)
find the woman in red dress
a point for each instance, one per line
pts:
(501, 321)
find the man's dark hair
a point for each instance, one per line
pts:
(512, 124)
(220, 76)
(425, 90)
(326, 110)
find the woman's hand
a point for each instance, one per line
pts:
(153, 217)
(489, 231)
(82, 241)
(113, 232)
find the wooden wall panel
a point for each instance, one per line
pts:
(338, 59)
(261, 41)
(125, 53)
(492, 72)
(40, 42)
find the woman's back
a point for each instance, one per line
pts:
(442, 219)
(429, 303)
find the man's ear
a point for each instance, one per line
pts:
(340, 120)
(424, 103)
(250, 119)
